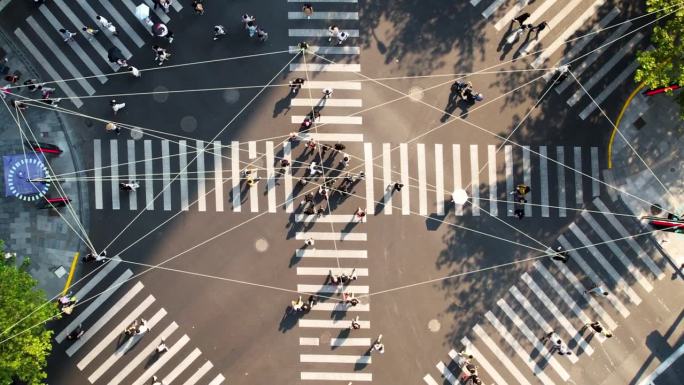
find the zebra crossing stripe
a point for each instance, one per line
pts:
(177, 6)
(166, 174)
(492, 8)
(217, 380)
(315, 67)
(6, 3)
(632, 243)
(446, 373)
(329, 218)
(330, 119)
(522, 354)
(534, 340)
(327, 236)
(557, 19)
(474, 180)
(97, 171)
(113, 39)
(330, 324)
(512, 12)
(341, 307)
(579, 199)
(422, 187)
(158, 11)
(149, 183)
(620, 79)
(74, 46)
(405, 194)
(114, 170)
(308, 341)
(132, 196)
(122, 23)
(576, 257)
(503, 357)
(560, 157)
(289, 192)
(104, 271)
(322, 50)
(595, 185)
(458, 184)
(459, 361)
(370, 179)
(489, 368)
(271, 177)
(356, 289)
(111, 312)
(345, 342)
(387, 178)
(187, 361)
(183, 164)
(439, 178)
(334, 84)
(116, 333)
(336, 376)
(617, 252)
(142, 355)
(332, 137)
(131, 8)
(253, 192)
(204, 369)
(47, 67)
(85, 313)
(548, 303)
(474, 2)
(160, 361)
(543, 7)
(337, 254)
(335, 358)
(319, 15)
(491, 168)
(616, 277)
(312, 102)
(527, 177)
(508, 160)
(235, 172)
(218, 175)
(320, 1)
(308, 32)
(201, 184)
(544, 182)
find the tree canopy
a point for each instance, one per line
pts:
(664, 65)
(26, 346)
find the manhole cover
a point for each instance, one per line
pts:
(231, 96)
(434, 325)
(188, 123)
(416, 93)
(261, 245)
(656, 209)
(161, 94)
(136, 133)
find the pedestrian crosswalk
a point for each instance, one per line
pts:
(562, 177)
(85, 58)
(553, 294)
(566, 20)
(99, 353)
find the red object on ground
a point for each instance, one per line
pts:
(47, 150)
(664, 223)
(661, 90)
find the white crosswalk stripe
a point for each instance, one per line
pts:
(319, 15)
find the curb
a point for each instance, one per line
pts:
(617, 122)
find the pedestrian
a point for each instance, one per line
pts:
(66, 34)
(341, 37)
(76, 333)
(198, 6)
(31, 84)
(129, 186)
(262, 35)
(378, 346)
(355, 323)
(161, 348)
(296, 85)
(13, 79)
(397, 186)
(360, 214)
(90, 31)
(134, 71)
(161, 55)
(561, 74)
(333, 31)
(116, 106)
(313, 168)
(597, 290)
(251, 28)
(465, 355)
(539, 27)
(21, 106)
(519, 212)
(309, 242)
(142, 327)
(246, 18)
(521, 189)
(107, 24)
(596, 327)
(361, 176)
(219, 31)
(560, 255)
(94, 256)
(307, 8)
(327, 93)
(157, 381)
(166, 5)
(303, 46)
(112, 127)
(521, 19)
(558, 344)
(311, 145)
(345, 160)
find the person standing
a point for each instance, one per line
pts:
(308, 10)
(198, 6)
(333, 31)
(107, 24)
(355, 323)
(161, 348)
(116, 106)
(111, 127)
(261, 35)
(219, 31)
(327, 93)
(161, 55)
(90, 31)
(66, 34)
(134, 71)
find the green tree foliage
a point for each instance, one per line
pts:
(664, 65)
(23, 356)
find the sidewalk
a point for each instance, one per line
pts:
(653, 127)
(41, 235)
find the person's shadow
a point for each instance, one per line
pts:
(451, 103)
(283, 105)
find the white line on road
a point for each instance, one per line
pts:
(201, 183)
(439, 179)
(335, 358)
(114, 169)
(332, 137)
(320, 15)
(336, 376)
(235, 172)
(356, 289)
(341, 254)
(149, 183)
(337, 236)
(368, 166)
(309, 32)
(474, 180)
(325, 67)
(307, 102)
(458, 183)
(323, 50)
(308, 341)
(97, 165)
(595, 185)
(578, 177)
(271, 177)
(329, 218)
(324, 271)
(491, 168)
(340, 342)
(218, 175)
(544, 181)
(508, 160)
(289, 192)
(166, 174)
(183, 162)
(422, 187)
(503, 357)
(387, 178)
(132, 195)
(560, 157)
(330, 119)
(204, 369)
(187, 361)
(405, 193)
(253, 191)
(330, 324)
(527, 178)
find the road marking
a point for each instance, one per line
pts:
(235, 171)
(217, 380)
(324, 271)
(632, 243)
(619, 80)
(512, 12)
(320, 15)
(132, 195)
(289, 192)
(387, 178)
(204, 369)
(7, 2)
(368, 166)
(308, 341)
(544, 181)
(201, 183)
(142, 355)
(271, 175)
(328, 218)
(344, 342)
(458, 184)
(474, 2)
(125, 347)
(322, 1)
(111, 312)
(330, 289)
(97, 165)
(439, 178)
(313, 67)
(567, 32)
(337, 236)
(548, 303)
(187, 361)
(342, 254)
(474, 180)
(335, 358)
(323, 50)
(522, 354)
(114, 169)
(341, 307)
(113, 39)
(664, 365)
(309, 32)
(123, 25)
(56, 25)
(218, 175)
(336, 376)
(489, 368)
(405, 193)
(446, 373)
(503, 357)
(306, 102)
(491, 166)
(183, 165)
(578, 177)
(617, 251)
(557, 19)
(543, 7)
(534, 341)
(330, 324)
(149, 183)
(527, 178)
(332, 137)
(166, 174)
(595, 185)
(47, 67)
(429, 380)
(492, 8)
(160, 361)
(560, 157)
(254, 190)
(85, 313)
(422, 188)
(577, 258)
(159, 12)
(336, 85)
(104, 271)
(508, 160)
(617, 278)
(329, 119)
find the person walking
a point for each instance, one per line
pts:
(76, 333)
(129, 186)
(296, 85)
(521, 19)
(539, 27)
(359, 214)
(345, 160)
(378, 346)
(327, 93)
(560, 255)
(116, 106)
(198, 6)
(107, 24)
(112, 127)
(90, 31)
(303, 46)
(558, 344)
(157, 381)
(396, 186)
(308, 10)
(219, 31)
(142, 327)
(161, 348)
(597, 290)
(67, 35)
(161, 55)
(333, 31)
(561, 74)
(134, 71)
(261, 35)
(355, 323)
(597, 327)
(309, 242)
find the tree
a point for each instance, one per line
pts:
(23, 354)
(664, 65)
